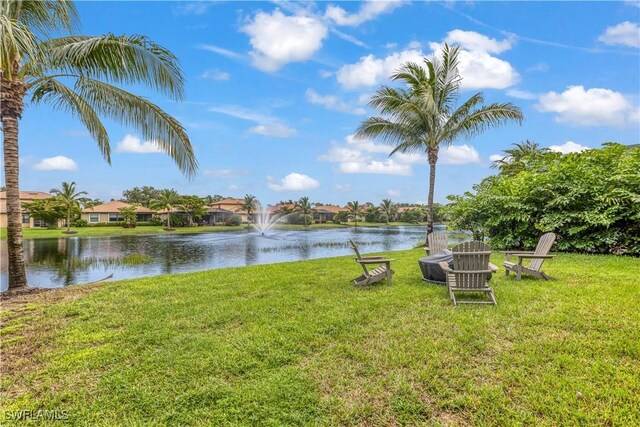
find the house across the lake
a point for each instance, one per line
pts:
(109, 213)
(224, 209)
(25, 197)
(325, 213)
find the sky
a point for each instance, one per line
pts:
(275, 91)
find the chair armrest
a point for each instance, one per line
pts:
(493, 267)
(532, 256)
(371, 257)
(445, 266)
(374, 261)
(516, 252)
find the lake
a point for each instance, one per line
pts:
(73, 260)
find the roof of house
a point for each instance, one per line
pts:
(113, 206)
(229, 202)
(25, 196)
(330, 209)
(28, 195)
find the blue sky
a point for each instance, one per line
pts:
(274, 90)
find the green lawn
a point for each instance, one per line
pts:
(38, 233)
(296, 344)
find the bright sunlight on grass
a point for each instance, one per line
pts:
(297, 344)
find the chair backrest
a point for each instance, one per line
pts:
(355, 249)
(471, 264)
(544, 246)
(438, 241)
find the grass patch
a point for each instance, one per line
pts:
(296, 344)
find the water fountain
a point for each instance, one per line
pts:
(263, 219)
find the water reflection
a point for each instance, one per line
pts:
(64, 261)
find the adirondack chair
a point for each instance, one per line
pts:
(437, 241)
(537, 257)
(383, 271)
(471, 270)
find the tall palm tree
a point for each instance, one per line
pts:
(355, 211)
(304, 207)
(388, 208)
(248, 205)
(68, 197)
(78, 74)
(420, 116)
(519, 157)
(167, 200)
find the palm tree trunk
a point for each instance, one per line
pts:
(68, 219)
(433, 159)
(11, 103)
(169, 219)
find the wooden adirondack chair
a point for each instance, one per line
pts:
(537, 257)
(437, 241)
(383, 271)
(471, 270)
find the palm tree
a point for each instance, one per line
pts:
(304, 207)
(519, 158)
(248, 206)
(78, 74)
(420, 116)
(355, 211)
(388, 208)
(166, 200)
(69, 199)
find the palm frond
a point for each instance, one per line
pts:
(64, 98)
(45, 16)
(115, 59)
(16, 42)
(153, 123)
(482, 119)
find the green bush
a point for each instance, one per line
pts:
(157, 220)
(591, 200)
(233, 220)
(78, 223)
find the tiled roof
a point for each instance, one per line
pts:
(113, 206)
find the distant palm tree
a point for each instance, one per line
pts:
(77, 74)
(167, 200)
(69, 198)
(388, 208)
(355, 211)
(249, 205)
(304, 207)
(419, 117)
(518, 158)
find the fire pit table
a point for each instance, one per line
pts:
(431, 271)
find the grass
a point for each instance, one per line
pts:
(296, 344)
(40, 233)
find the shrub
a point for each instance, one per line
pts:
(78, 223)
(234, 220)
(156, 220)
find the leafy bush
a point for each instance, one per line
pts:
(78, 223)
(233, 220)
(341, 217)
(156, 220)
(591, 200)
(178, 221)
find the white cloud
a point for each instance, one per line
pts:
(470, 40)
(591, 107)
(521, 94)
(477, 67)
(626, 33)
(394, 193)
(278, 39)
(496, 157)
(266, 125)
(224, 173)
(388, 167)
(221, 51)
(131, 144)
(568, 147)
(325, 74)
(369, 70)
(194, 7)
(332, 102)
(391, 45)
(60, 163)
(369, 10)
(215, 74)
(234, 187)
(342, 187)
(294, 182)
(343, 154)
(458, 155)
(277, 130)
